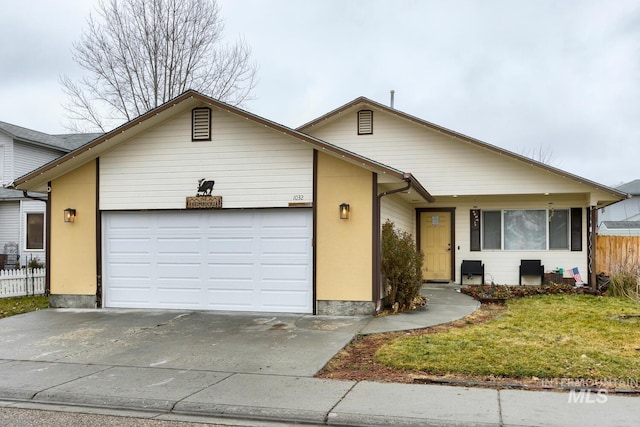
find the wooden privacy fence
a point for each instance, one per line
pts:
(22, 281)
(615, 251)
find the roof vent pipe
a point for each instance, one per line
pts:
(393, 92)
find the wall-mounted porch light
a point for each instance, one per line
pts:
(69, 215)
(344, 211)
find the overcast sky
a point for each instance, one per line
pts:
(562, 76)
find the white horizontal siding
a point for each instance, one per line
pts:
(6, 159)
(252, 166)
(28, 157)
(445, 165)
(402, 215)
(502, 266)
(9, 223)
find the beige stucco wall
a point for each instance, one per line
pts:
(73, 245)
(344, 247)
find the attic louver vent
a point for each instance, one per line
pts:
(201, 126)
(365, 122)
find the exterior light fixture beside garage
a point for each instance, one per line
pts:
(344, 211)
(69, 215)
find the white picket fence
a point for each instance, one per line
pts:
(22, 281)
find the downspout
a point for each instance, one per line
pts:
(377, 280)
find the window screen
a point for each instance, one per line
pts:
(492, 230)
(559, 229)
(35, 231)
(525, 230)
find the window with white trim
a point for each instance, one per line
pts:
(34, 232)
(532, 229)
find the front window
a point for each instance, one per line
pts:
(35, 231)
(521, 230)
(525, 230)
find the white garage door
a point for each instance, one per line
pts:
(241, 260)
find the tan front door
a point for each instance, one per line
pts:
(435, 243)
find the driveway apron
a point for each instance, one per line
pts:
(297, 345)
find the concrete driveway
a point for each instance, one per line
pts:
(196, 363)
(293, 345)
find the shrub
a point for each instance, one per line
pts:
(624, 280)
(35, 263)
(401, 266)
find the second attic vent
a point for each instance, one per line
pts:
(201, 124)
(365, 122)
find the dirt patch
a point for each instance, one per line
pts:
(356, 362)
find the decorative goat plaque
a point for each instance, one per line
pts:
(203, 198)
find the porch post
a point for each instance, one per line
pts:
(592, 247)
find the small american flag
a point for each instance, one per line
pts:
(576, 276)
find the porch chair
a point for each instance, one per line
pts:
(531, 267)
(470, 269)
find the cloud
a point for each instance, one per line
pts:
(516, 74)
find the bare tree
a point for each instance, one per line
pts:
(542, 154)
(142, 53)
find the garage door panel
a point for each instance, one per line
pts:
(299, 247)
(293, 220)
(258, 260)
(282, 272)
(185, 296)
(130, 296)
(274, 300)
(129, 270)
(229, 245)
(239, 224)
(178, 246)
(178, 271)
(130, 246)
(231, 299)
(230, 271)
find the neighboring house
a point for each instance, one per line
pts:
(22, 217)
(621, 219)
(294, 216)
(619, 228)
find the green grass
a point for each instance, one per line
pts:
(556, 336)
(19, 305)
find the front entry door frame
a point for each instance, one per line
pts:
(452, 212)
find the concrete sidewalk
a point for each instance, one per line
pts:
(184, 382)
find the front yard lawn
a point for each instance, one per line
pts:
(19, 305)
(531, 339)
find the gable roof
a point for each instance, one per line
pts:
(621, 224)
(633, 187)
(38, 178)
(363, 101)
(65, 142)
(7, 194)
